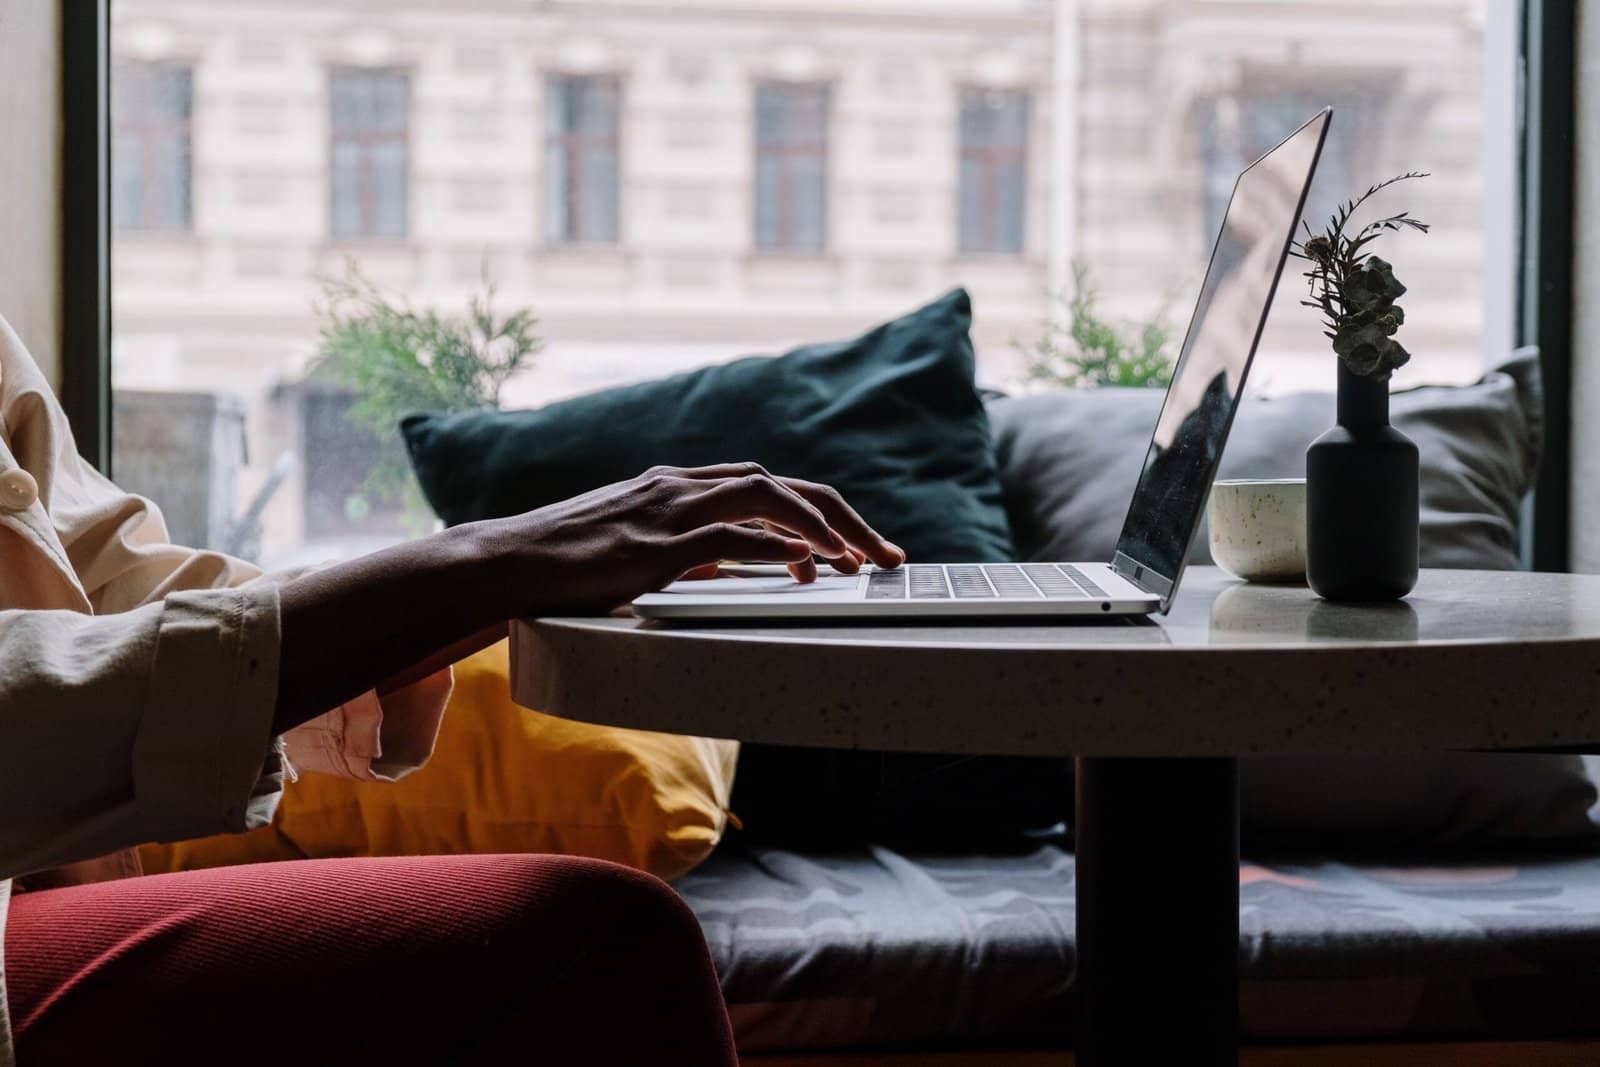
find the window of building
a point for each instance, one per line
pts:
(152, 109)
(370, 153)
(994, 170)
(791, 188)
(582, 159)
(1241, 129)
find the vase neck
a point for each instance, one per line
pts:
(1363, 402)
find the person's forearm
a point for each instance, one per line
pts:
(384, 619)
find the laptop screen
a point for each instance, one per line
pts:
(1239, 284)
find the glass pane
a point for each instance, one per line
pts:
(335, 136)
(808, 192)
(388, 162)
(993, 194)
(596, 107)
(388, 113)
(171, 179)
(173, 93)
(791, 152)
(348, 220)
(557, 189)
(1011, 197)
(598, 219)
(151, 163)
(975, 119)
(768, 184)
(582, 184)
(808, 115)
(769, 113)
(127, 180)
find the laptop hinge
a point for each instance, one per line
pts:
(1142, 576)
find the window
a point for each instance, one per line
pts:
(994, 170)
(656, 208)
(583, 159)
(791, 167)
(1241, 129)
(369, 156)
(151, 111)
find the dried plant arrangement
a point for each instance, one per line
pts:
(1356, 290)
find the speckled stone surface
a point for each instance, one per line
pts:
(1473, 659)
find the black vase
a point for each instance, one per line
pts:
(1362, 500)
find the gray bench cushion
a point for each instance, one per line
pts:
(1069, 460)
(876, 947)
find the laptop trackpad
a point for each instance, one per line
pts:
(831, 585)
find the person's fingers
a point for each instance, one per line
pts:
(842, 519)
(849, 563)
(845, 520)
(726, 540)
(803, 571)
(761, 498)
(715, 472)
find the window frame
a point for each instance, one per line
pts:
(824, 156)
(551, 137)
(1023, 155)
(368, 196)
(86, 227)
(1546, 198)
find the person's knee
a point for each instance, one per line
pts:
(643, 900)
(607, 894)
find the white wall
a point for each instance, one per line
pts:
(1585, 519)
(30, 171)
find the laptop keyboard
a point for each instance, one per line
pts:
(980, 581)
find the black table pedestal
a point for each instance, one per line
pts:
(1157, 843)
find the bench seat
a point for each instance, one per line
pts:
(875, 948)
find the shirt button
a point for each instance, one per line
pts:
(18, 490)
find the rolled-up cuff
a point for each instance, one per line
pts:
(373, 738)
(204, 760)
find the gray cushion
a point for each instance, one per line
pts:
(1068, 463)
(871, 947)
(1069, 460)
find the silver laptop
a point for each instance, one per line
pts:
(1266, 205)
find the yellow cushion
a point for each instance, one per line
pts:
(503, 779)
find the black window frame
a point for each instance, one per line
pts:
(86, 226)
(1548, 76)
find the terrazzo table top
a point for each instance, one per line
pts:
(1472, 659)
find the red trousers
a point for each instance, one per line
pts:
(432, 960)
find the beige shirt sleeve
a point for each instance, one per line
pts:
(119, 547)
(151, 724)
(138, 678)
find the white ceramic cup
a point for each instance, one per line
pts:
(1258, 528)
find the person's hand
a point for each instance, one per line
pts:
(608, 546)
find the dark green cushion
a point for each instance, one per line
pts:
(891, 419)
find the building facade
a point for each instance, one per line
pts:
(673, 183)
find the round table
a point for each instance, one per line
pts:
(1156, 711)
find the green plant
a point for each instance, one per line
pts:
(1356, 290)
(1079, 348)
(396, 360)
